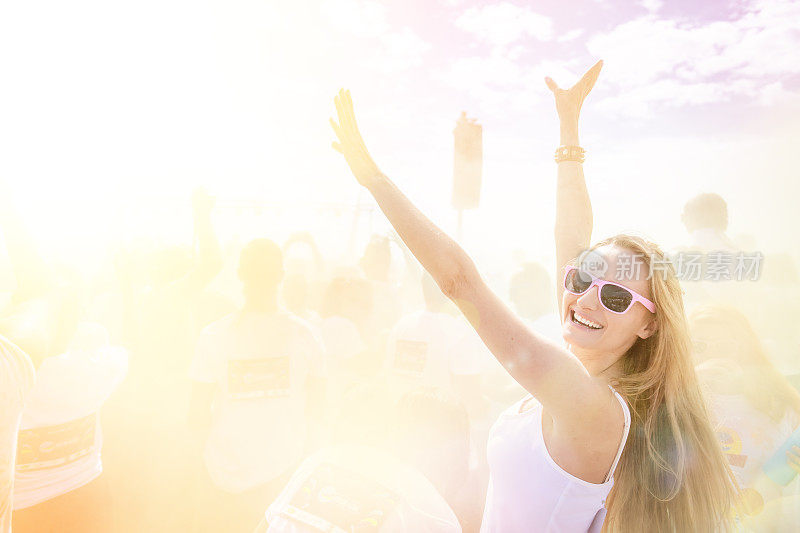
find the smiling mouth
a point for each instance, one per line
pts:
(584, 322)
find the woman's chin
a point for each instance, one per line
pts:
(579, 336)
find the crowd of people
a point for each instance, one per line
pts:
(322, 396)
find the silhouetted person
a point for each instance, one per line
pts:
(258, 387)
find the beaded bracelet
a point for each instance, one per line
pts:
(570, 153)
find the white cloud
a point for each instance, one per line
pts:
(652, 5)
(381, 46)
(571, 35)
(504, 23)
(357, 17)
(776, 94)
(639, 101)
(700, 61)
(403, 49)
(500, 73)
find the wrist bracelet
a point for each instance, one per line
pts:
(570, 153)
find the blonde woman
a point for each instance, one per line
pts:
(617, 421)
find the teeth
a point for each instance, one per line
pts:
(586, 321)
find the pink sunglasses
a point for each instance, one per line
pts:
(614, 297)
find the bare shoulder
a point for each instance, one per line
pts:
(587, 445)
(609, 418)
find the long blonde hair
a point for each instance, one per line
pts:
(672, 475)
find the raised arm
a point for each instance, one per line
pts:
(440, 255)
(208, 262)
(542, 368)
(573, 229)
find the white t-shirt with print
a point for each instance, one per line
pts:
(749, 438)
(16, 380)
(260, 363)
(427, 349)
(356, 488)
(60, 439)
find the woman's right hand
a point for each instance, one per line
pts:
(350, 144)
(569, 101)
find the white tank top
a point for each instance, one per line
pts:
(528, 491)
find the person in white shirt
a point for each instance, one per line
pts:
(344, 328)
(16, 380)
(59, 451)
(376, 265)
(754, 407)
(258, 381)
(434, 348)
(705, 217)
(393, 473)
(58, 486)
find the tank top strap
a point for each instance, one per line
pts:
(627, 413)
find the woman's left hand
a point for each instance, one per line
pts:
(569, 101)
(350, 144)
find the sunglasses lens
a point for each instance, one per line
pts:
(577, 281)
(618, 299)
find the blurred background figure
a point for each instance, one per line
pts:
(59, 472)
(59, 483)
(304, 275)
(399, 477)
(345, 329)
(162, 291)
(258, 384)
(532, 294)
(376, 264)
(709, 259)
(434, 348)
(394, 283)
(16, 380)
(754, 407)
(705, 218)
(773, 310)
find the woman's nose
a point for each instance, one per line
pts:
(589, 299)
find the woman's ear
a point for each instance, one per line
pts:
(648, 329)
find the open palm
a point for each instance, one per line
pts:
(350, 144)
(569, 101)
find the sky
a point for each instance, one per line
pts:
(111, 112)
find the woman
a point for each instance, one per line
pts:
(554, 461)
